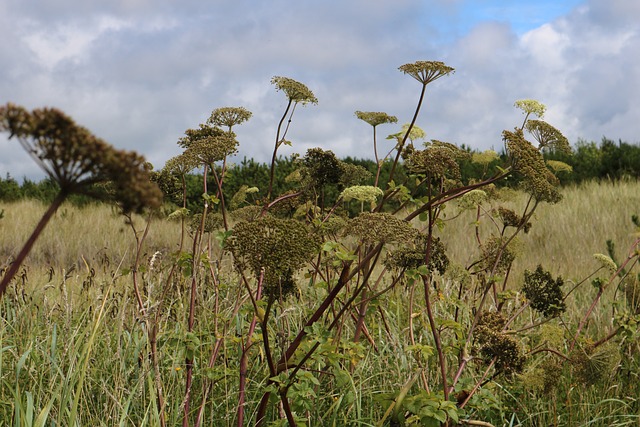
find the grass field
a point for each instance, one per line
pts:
(75, 350)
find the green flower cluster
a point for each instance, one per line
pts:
(361, 193)
(548, 136)
(426, 71)
(229, 116)
(279, 247)
(545, 378)
(296, 92)
(376, 227)
(494, 344)
(472, 199)
(79, 161)
(375, 118)
(531, 106)
(528, 162)
(543, 292)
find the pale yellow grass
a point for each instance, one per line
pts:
(563, 236)
(95, 234)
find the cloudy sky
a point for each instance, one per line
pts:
(139, 72)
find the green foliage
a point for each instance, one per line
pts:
(280, 301)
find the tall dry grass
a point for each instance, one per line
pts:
(95, 233)
(563, 236)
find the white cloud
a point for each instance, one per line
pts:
(139, 73)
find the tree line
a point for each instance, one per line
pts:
(606, 160)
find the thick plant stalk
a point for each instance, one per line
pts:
(275, 150)
(15, 266)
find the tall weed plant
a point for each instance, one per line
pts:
(286, 308)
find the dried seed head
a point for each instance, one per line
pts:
(208, 144)
(543, 292)
(438, 160)
(493, 343)
(77, 160)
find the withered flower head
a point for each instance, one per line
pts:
(493, 343)
(376, 118)
(496, 256)
(319, 168)
(511, 219)
(78, 161)
(296, 92)
(548, 136)
(426, 71)
(229, 116)
(543, 292)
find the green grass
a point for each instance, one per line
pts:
(74, 346)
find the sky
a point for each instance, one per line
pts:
(138, 73)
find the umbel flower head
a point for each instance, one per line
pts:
(438, 160)
(538, 180)
(548, 136)
(496, 345)
(279, 246)
(531, 106)
(208, 144)
(543, 292)
(77, 160)
(320, 168)
(426, 71)
(362, 193)
(413, 255)
(296, 92)
(376, 118)
(229, 116)
(373, 227)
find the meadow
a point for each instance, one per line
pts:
(73, 339)
(325, 294)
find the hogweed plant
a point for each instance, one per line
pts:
(290, 300)
(79, 163)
